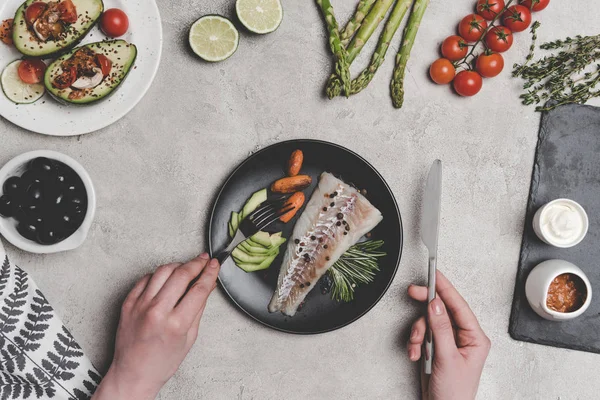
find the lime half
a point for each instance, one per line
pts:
(15, 89)
(259, 16)
(214, 38)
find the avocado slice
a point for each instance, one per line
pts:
(27, 42)
(252, 249)
(262, 238)
(248, 267)
(121, 54)
(242, 256)
(254, 202)
(234, 223)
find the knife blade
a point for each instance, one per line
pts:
(430, 224)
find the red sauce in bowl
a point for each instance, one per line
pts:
(567, 293)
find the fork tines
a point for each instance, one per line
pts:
(269, 212)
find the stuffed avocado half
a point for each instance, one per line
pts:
(43, 28)
(90, 73)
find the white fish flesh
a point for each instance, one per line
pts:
(335, 218)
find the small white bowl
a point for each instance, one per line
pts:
(8, 226)
(538, 219)
(538, 283)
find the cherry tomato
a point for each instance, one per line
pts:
(488, 9)
(65, 79)
(114, 22)
(471, 27)
(6, 31)
(454, 48)
(33, 12)
(538, 5)
(517, 18)
(105, 63)
(442, 71)
(499, 39)
(489, 65)
(467, 83)
(31, 71)
(68, 13)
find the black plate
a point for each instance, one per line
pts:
(252, 291)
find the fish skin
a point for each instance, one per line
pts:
(305, 262)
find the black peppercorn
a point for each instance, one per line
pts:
(340, 216)
(338, 223)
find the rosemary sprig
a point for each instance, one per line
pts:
(356, 266)
(569, 75)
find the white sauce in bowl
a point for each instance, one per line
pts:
(562, 223)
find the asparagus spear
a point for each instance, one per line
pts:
(390, 29)
(342, 65)
(363, 8)
(410, 33)
(370, 23)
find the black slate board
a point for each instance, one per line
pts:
(567, 164)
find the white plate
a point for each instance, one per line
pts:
(48, 117)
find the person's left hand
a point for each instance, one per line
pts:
(158, 326)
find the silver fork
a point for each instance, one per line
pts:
(261, 218)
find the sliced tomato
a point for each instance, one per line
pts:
(105, 63)
(6, 28)
(68, 13)
(33, 12)
(65, 79)
(31, 71)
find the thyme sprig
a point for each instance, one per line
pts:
(569, 75)
(356, 266)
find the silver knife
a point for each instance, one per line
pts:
(430, 224)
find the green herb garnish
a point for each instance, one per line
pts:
(570, 75)
(356, 266)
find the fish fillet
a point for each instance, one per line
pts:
(335, 218)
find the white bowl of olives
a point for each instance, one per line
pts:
(47, 202)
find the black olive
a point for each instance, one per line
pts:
(7, 207)
(12, 187)
(42, 164)
(47, 236)
(27, 229)
(30, 177)
(33, 209)
(35, 193)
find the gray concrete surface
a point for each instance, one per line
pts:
(157, 170)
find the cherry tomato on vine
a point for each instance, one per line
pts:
(442, 71)
(31, 71)
(454, 48)
(488, 9)
(472, 27)
(517, 18)
(467, 83)
(538, 5)
(489, 65)
(499, 39)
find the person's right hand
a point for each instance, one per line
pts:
(158, 326)
(460, 345)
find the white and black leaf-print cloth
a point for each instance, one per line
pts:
(39, 359)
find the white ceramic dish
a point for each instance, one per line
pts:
(541, 217)
(8, 226)
(538, 283)
(48, 117)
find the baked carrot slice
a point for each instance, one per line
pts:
(296, 200)
(291, 184)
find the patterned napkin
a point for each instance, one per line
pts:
(39, 358)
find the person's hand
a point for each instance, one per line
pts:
(460, 345)
(157, 329)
